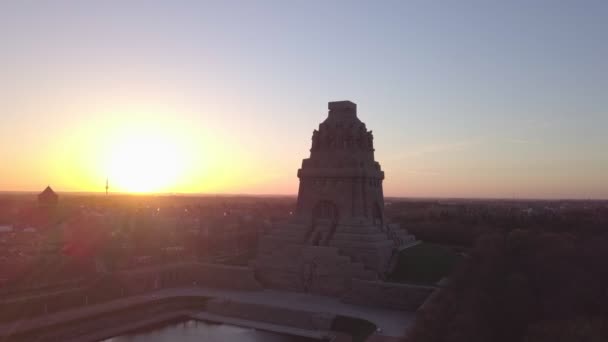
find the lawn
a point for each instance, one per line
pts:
(424, 263)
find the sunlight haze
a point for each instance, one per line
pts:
(465, 99)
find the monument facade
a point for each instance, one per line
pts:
(339, 232)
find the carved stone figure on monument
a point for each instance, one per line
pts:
(315, 140)
(361, 139)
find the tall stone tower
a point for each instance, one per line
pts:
(341, 178)
(339, 231)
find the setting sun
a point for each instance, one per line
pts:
(145, 163)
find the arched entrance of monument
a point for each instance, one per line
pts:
(324, 222)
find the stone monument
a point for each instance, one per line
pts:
(339, 232)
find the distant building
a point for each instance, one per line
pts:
(48, 198)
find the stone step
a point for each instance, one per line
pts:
(281, 232)
(290, 227)
(365, 275)
(284, 240)
(279, 256)
(270, 263)
(319, 251)
(342, 244)
(285, 236)
(358, 230)
(378, 236)
(287, 252)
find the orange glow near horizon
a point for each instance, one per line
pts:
(149, 145)
(154, 153)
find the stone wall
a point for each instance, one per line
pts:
(128, 283)
(387, 295)
(189, 274)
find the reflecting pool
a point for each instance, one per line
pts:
(199, 331)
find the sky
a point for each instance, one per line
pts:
(465, 98)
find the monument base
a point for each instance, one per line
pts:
(325, 260)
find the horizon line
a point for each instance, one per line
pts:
(202, 194)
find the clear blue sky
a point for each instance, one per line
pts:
(465, 98)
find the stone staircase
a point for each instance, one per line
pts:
(323, 258)
(304, 268)
(399, 236)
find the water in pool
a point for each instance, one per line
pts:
(199, 331)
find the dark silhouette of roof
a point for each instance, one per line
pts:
(48, 196)
(48, 190)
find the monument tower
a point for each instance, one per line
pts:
(339, 231)
(341, 181)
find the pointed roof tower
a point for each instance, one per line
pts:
(48, 197)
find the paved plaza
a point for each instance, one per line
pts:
(389, 322)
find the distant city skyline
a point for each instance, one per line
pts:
(465, 99)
